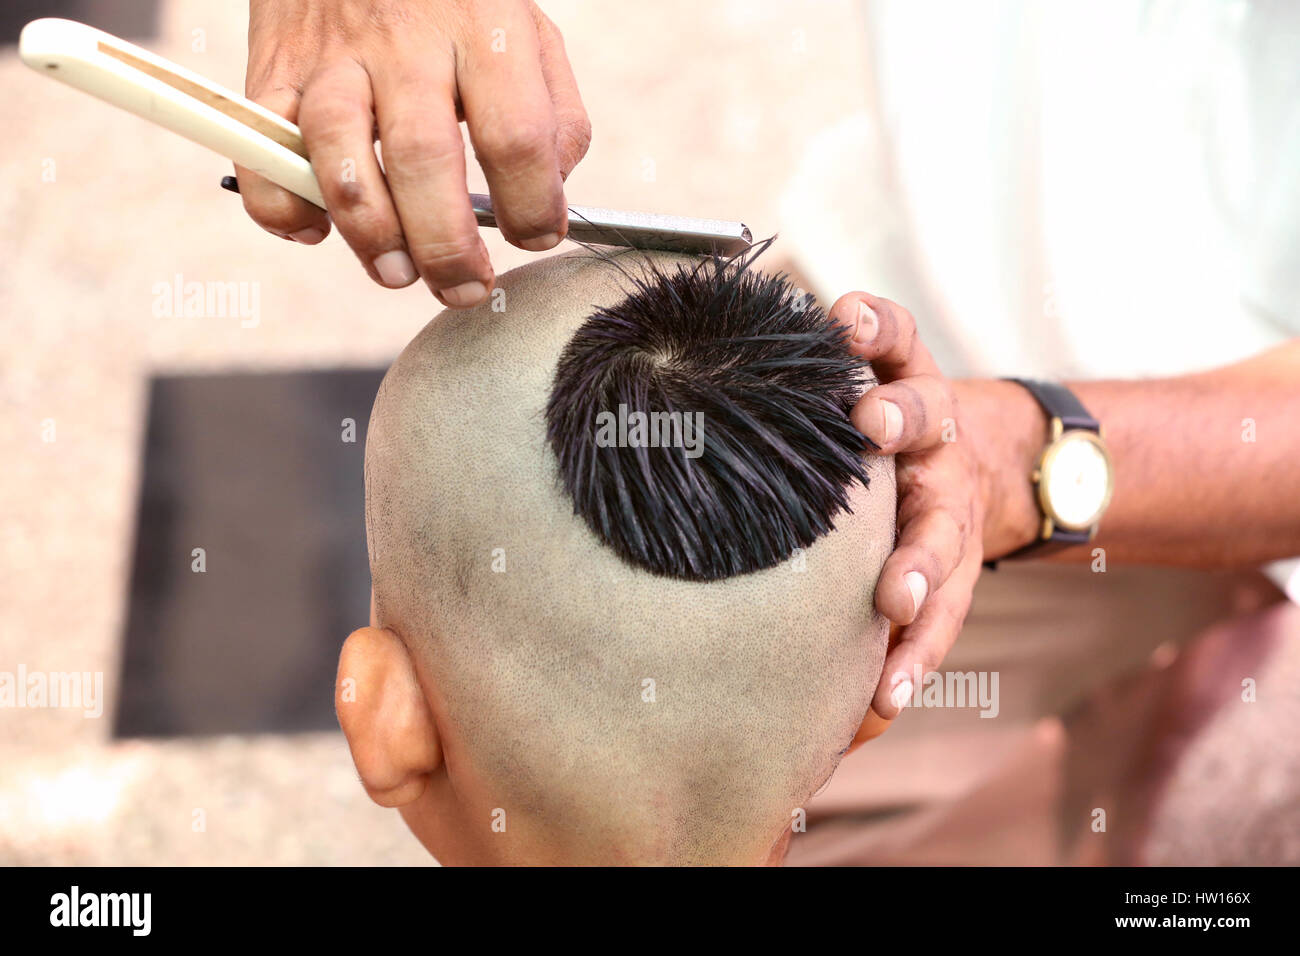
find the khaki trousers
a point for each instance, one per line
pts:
(1111, 686)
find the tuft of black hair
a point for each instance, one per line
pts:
(765, 373)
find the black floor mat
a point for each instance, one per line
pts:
(253, 469)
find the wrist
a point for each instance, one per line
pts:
(1007, 430)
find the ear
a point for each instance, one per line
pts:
(385, 717)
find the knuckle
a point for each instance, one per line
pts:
(901, 317)
(917, 407)
(326, 118)
(916, 413)
(366, 230)
(346, 199)
(515, 143)
(390, 17)
(455, 256)
(906, 326)
(576, 134)
(277, 95)
(415, 144)
(926, 560)
(277, 212)
(900, 324)
(959, 518)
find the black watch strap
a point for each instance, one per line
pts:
(1058, 402)
(1041, 547)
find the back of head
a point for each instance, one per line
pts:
(647, 651)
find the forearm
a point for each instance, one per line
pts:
(1207, 466)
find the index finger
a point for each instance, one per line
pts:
(424, 161)
(512, 127)
(926, 641)
(273, 207)
(884, 333)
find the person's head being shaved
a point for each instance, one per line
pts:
(624, 547)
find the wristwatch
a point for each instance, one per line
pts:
(1073, 477)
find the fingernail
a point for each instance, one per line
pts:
(902, 694)
(917, 584)
(467, 293)
(308, 237)
(867, 325)
(541, 243)
(395, 268)
(893, 416)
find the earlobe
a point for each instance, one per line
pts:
(385, 717)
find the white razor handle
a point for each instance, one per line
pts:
(207, 113)
(175, 98)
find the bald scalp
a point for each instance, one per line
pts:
(675, 719)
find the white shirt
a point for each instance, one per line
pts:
(1068, 189)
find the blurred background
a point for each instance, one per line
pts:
(181, 513)
(174, 433)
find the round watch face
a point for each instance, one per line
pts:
(1076, 480)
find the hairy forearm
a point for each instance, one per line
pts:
(1207, 466)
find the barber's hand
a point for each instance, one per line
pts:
(926, 584)
(407, 71)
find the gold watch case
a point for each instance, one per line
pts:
(1048, 460)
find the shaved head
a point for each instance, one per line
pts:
(628, 710)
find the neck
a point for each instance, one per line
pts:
(461, 831)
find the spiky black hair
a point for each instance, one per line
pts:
(766, 373)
